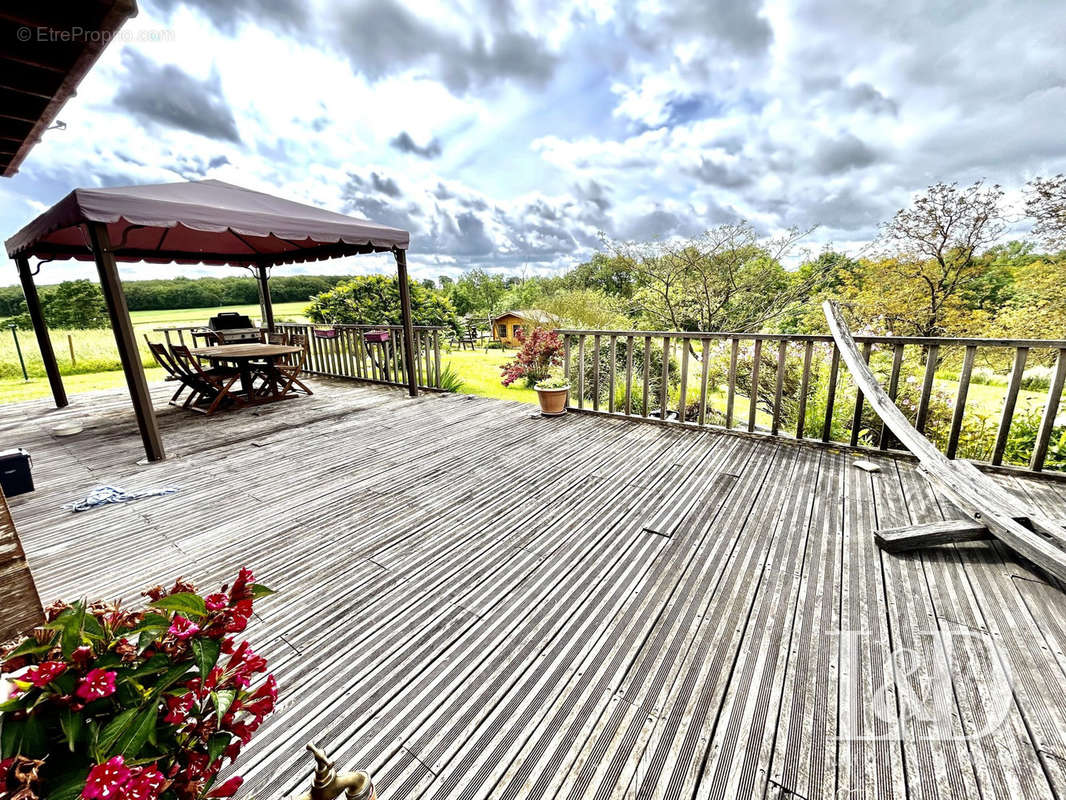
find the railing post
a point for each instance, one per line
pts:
(647, 375)
(682, 401)
(596, 372)
(960, 401)
(613, 348)
(664, 388)
(734, 350)
(580, 371)
(1051, 408)
(831, 394)
(805, 382)
(932, 353)
(1009, 403)
(782, 352)
(408, 323)
(856, 417)
(629, 375)
(753, 400)
(704, 375)
(893, 389)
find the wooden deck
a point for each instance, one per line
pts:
(477, 603)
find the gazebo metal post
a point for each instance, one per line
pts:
(126, 340)
(264, 296)
(40, 329)
(408, 326)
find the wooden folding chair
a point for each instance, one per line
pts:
(277, 338)
(291, 369)
(175, 371)
(212, 385)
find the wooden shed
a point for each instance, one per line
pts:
(508, 326)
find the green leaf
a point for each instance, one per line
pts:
(69, 787)
(34, 737)
(18, 702)
(30, 647)
(172, 675)
(157, 663)
(11, 737)
(259, 590)
(184, 603)
(133, 738)
(70, 624)
(114, 729)
(216, 746)
(71, 725)
(223, 700)
(206, 652)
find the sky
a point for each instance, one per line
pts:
(510, 135)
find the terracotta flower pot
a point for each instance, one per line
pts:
(553, 401)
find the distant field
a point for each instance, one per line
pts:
(95, 353)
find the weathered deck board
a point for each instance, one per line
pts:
(475, 602)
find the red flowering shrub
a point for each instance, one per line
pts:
(541, 350)
(110, 704)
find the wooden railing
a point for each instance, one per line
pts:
(342, 351)
(705, 379)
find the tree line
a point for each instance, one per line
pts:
(937, 268)
(80, 304)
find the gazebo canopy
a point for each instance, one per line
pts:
(200, 222)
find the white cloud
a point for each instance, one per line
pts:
(531, 125)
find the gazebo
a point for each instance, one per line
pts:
(194, 222)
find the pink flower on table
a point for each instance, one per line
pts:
(216, 602)
(183, 628)
(229, 788)
(96, 684)
(105, 780)
(46, 672)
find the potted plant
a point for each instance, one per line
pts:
(106, 703)
(552, 392)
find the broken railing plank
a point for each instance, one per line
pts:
(973, 492)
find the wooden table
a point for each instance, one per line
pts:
(242, 355)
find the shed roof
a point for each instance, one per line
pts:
(529, 315)
(208, 222)
(48, 48)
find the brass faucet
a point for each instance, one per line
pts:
(328, 785)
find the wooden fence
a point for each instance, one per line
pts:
(342, 351)
(705, 379)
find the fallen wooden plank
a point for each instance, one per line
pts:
(912, 537)
(974, 493)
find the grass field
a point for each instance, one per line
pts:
(480, 371)
(94, 351)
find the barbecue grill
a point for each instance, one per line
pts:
(237, 328)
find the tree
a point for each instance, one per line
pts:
(375, 300)
(930, 254)
(75, 304)
(726, 279)
(603, 272)
(1045, 201)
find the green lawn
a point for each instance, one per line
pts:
(480, 371)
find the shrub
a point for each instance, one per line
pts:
(450, 380)
(1037, 379)
(541, 350)
(133, 705)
